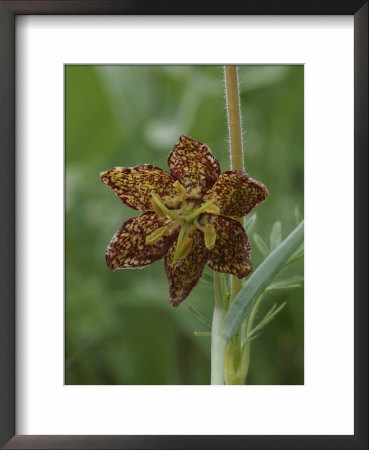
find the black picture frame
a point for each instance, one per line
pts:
(8, 12)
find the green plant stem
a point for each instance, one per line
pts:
(234, 117)
(235, 139)
(218, 340)
(247, 349)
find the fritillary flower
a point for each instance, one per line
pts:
(190, 217)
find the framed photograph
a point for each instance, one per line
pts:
(184, 225)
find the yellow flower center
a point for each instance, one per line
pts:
(187, 217)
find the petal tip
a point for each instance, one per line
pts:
(103, 175)
(193, 164)
(175, 303)
(184, 138)
(109, 262)
(246, 271)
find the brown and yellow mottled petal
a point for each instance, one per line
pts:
(185, 273)
(236, 193)
(232, 249)
(192, 163)
(133, 185)
(128, 248)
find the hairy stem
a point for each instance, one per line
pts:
(234, 117)
(235, 138)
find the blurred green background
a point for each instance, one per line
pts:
(119, 326)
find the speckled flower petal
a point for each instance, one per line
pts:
(193, 164)
(232, 249)
(128, 248)
(236, 193)
(185, 273)
(133, 185)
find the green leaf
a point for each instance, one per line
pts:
(202, 333)
(250, 337)
(259, 280)
(298, 215)
(205, 283)
(288, 283)
(270, 315)
(249, 223)
(207, 280)
(262, 245)
(207, 277)
(299, 254)
(199, 315)
(276, 235)
(300, 249)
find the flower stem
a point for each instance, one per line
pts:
(234, 117)
(218, 340)
(235, 138)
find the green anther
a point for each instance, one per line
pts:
(181, 190)
(199, 211)
(186, 248)
(210, 236)
(179, 244)
(156, 209)
(164, 209)
(157, 234)
(213, 209)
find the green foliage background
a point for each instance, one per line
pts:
(119, 327)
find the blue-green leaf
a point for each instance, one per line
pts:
(202, 333)
(250, 222)
(268, 318)
(276, 235)
(288, 283)
(199, 315)
(259, 280)
(299, 254)
(262, 245)
(298, 215)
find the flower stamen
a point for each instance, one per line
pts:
(156, 209)
(164, 209)
(181, 191)
(198, 211)
(157, 234)
(210, 236)
(186, 248)
(179, 244)
(213, 209)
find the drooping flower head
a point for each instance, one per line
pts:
(189, 217)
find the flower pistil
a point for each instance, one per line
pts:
(187, 218)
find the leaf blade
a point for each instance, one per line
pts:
(287, 283)
(259, 280)
(250, 222)
(271, 314)
(262, 245)
(276, 235)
